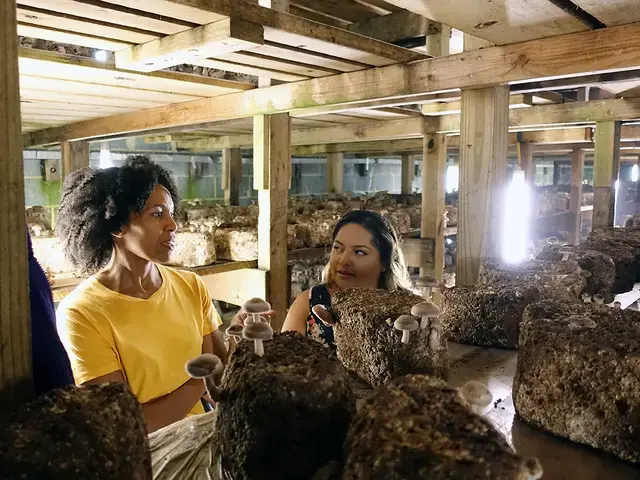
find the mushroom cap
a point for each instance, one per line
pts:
(585, 273)
(204, 365)
(476, 394)
(566, 249)
(234, 330)
(406, 322)
(257, 331)
(425, 309)
(256, 305)
(427, 281)
(323, 314)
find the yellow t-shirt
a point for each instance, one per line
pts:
(149, 340)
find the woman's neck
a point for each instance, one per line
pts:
(130, 275)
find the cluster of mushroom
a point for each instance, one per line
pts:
(599, 299)
(427, 312)
(256, 325)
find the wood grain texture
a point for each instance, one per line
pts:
(335, 172)
(577, 175)
(606, 164)
(407, 174)
(231, 175)
(483, 160)
(272, 152)
(15, 327)
(536, 59)
(525, 160)
(611, 12)
(75, 155)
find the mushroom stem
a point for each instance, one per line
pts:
(565, 256)
(259, 348)
(424, 322)
(405, 336)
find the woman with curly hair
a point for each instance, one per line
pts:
(134, 320)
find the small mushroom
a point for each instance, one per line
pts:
(552, 240)
(617, 305)
(586, 298)
(258, 332)
(530, 253)
(599, 298)
(425, 310)
(477, 395)
(255, 307)
(534, 467)
(323, 314)
(577, 322)
(586, 274)
(206, 366)
(435, 337)
(407, 324)
(566, 253)
(427, 284)
(235, 331)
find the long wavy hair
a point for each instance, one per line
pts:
(385, 239)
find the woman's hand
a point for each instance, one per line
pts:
(241, 316)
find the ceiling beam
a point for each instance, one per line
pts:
(537, 59)
(395, 26)
(518, 100)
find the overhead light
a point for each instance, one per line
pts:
(516, 218)
(634, 173)
(105, 155)
(100, 55)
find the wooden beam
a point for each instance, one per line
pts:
(231, 175)
(525, 161)
(408, 172)
(516, 100)
(335, 172)
(485, 114)
(15, 330)
(395, 26)
(212, 40)
(433, 199)
(237, 286)
(589, 51)
(471, 43)
(273, 157)
(387, 146)
(75, 155)
(605, 173)
(437, 45)
(577, 175)
(280, 6)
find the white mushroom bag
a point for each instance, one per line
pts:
(184, 450)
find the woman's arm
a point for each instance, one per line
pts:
(296, 320)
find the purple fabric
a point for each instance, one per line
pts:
(51, 367)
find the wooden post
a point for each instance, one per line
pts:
(75, 155)
(280, 6)
(16, 382)
(525, 160)
(335, 172)
(433, 199)
(438, 43)
(484, 137)
(577, 175)
(407, 174)
(605, 172)
(272, 171)
(231, 175)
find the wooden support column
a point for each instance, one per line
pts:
(231, 175)
(525, 160)
(483, 153)
(577, 175)
(606, 164)
(16, 382)
(433, 199)
(75, 155)
(335, 172)
(272, 172)
(407, 174)
(279, 6)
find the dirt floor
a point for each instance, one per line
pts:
(561, 459)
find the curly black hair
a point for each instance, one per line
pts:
(96, 203)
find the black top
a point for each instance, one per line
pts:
(316, 327)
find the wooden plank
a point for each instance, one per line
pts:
(407, 174)
(418, 252)
(224, 36)
(386, 146)
(590, 52)
(611, 12)
(75, 155)
(504, 22)
(605, 173)
(237, 286)
(63, 36)
(482, 179)
(345, 9)
(15, 328)
(516, 100)
(575, 204)
(433, 200)
(395, 26)
(471, 43)
(272, 154)
(335, 172)
(231, 175)
(317, 17)
(50, 107)
(525, 161)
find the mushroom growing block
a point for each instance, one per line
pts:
(577, 374)
(486, 316)
(370, 346)
(623, 257)
(416, 427)
(285, 414)
(194, 249)
(236, 244)
(95, 432)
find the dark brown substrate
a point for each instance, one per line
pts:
(284, 415)
(416, 427)
(369, 345)
(94, 432)
(578, 374)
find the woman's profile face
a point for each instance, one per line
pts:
(151, 234)
(354, 261)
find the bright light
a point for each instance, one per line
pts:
(452, 177)
(105, 156)
(449, 241)
(617, 185)
(634, 173)
(516, 219)
(101, 56)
